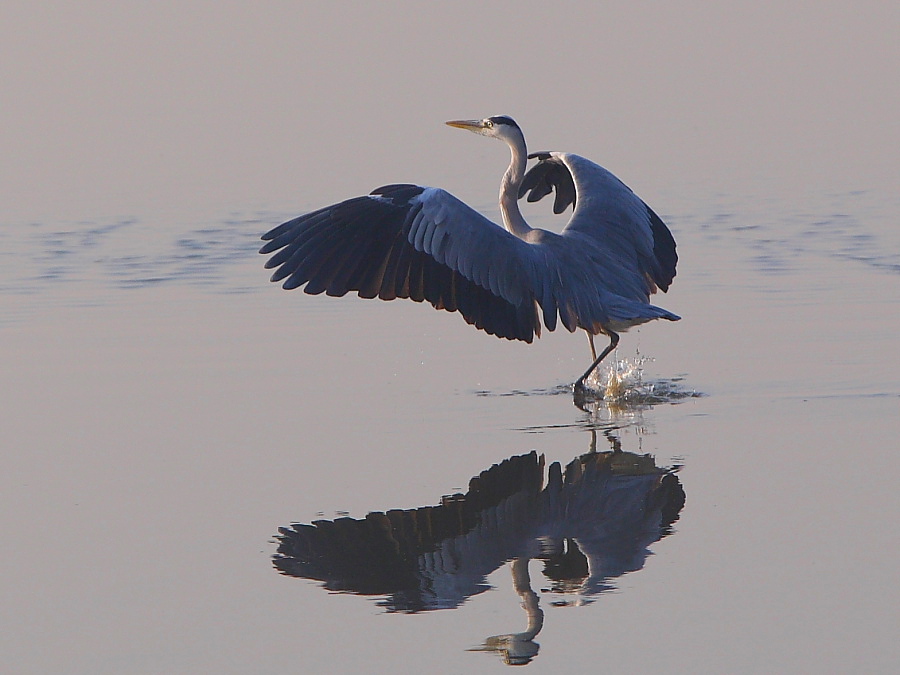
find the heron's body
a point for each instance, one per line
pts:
(409, 241)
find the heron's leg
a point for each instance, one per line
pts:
(591, 339)
(613, 341)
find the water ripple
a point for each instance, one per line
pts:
(129, 254)
(857, 227)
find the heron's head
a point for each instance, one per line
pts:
(498, 126)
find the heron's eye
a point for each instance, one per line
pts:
(488, 124)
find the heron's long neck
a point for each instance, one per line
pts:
(509, 190)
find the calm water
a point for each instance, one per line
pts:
(203, 473)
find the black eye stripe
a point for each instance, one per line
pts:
(503, 119)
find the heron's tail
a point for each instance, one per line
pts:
(665, 314)
(624, 314)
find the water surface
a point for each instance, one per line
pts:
(170, 416)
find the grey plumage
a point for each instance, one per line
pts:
(422, 243)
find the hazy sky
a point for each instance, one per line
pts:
(126, 109)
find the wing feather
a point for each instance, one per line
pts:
(406, 241)
(398, 259)
(608, 214)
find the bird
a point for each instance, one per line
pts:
(422, 243)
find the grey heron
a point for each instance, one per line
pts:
(422, 243)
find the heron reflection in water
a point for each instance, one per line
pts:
(422, 243)
(588, 524)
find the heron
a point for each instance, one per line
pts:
(422, 243)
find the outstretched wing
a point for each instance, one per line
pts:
(607, 212)
(408, 241)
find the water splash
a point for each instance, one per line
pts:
(622, 384)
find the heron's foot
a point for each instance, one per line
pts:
(582, 399)
(588, 390)
(587, 383)
(582, 392)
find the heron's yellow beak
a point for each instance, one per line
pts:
(471, 125)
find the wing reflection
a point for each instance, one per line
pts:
(589, 523)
